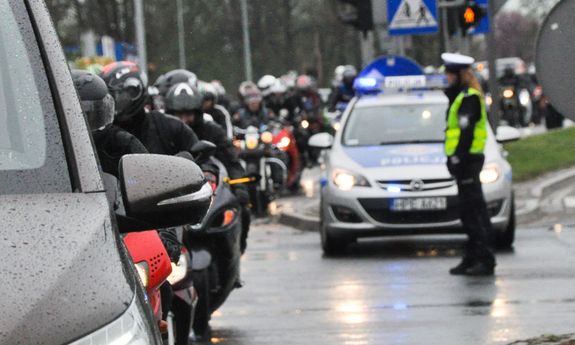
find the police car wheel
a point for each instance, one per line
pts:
(330, 244)
(504, 239)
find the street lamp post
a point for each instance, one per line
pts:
(181, 34)
(139, 22)
(247, 48)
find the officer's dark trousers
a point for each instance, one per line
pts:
(474, 215)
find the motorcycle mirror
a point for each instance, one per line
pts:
(554, 57)
(163, 191)
(321, 141)
(507, 134)
(203, 150)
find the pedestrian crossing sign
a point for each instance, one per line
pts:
(411, 17)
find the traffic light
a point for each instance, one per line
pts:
(361, 17)
(470, 16)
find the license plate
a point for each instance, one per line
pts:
(418, 204)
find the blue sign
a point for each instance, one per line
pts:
(412, 17)
(483, 26)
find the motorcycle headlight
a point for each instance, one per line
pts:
(305, 124)
(128, 329)
(179, 270)
(267, 137)
(252, 141)
(508, 93)
(143, 272)
(524, 97)
(346, 180)
(284, 143)
(490, 173)
(488, 100)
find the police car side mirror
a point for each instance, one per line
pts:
(321, 141)
(507, 134)
(163, 191)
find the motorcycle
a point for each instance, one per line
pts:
(268, 152)
(213, 271)
(153, 266)
(515, 106)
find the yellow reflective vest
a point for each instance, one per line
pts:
(453, 132)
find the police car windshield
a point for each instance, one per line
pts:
(395, 124)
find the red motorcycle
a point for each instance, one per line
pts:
(284, 140)
(153, 266)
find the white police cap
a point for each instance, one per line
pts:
(456, 62)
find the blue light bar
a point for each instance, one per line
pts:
(367, 86)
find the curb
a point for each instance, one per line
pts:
(299, 221)
(542, 190)
(529, 212)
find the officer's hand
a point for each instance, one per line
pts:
(454, 165)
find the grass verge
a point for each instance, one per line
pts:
(539, 154)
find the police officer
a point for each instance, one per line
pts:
(465, 140)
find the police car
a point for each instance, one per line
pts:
(385, 172)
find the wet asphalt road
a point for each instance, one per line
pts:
(398, 291)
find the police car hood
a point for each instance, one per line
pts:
(398, 162)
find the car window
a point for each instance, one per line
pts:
(395, 124)
(32, 158)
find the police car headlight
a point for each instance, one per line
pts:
(490, 173)
(346, 180)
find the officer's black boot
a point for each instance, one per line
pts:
(484, 265)
(465, 264)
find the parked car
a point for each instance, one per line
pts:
(66, 275)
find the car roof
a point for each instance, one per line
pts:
(403, 98)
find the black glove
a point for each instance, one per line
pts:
(454, 165)
(169, 238)
(243, 195)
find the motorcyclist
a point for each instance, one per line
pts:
(185, 102)
(310, 99)
(210, 106)
(222, 97)
(265, 83)
(509, 78)
(160, 133)
(253, 112)
(280, 103)
(344, 92)
(166, 81)
(111, 141)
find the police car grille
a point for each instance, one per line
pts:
(407, 185)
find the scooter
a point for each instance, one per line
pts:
(214, 245)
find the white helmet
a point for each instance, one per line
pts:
(278, 87)
(265, 83)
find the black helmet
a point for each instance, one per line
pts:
(97, 103)
(128, 85)
(183, 97)
(166, 81)
(349, 74)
